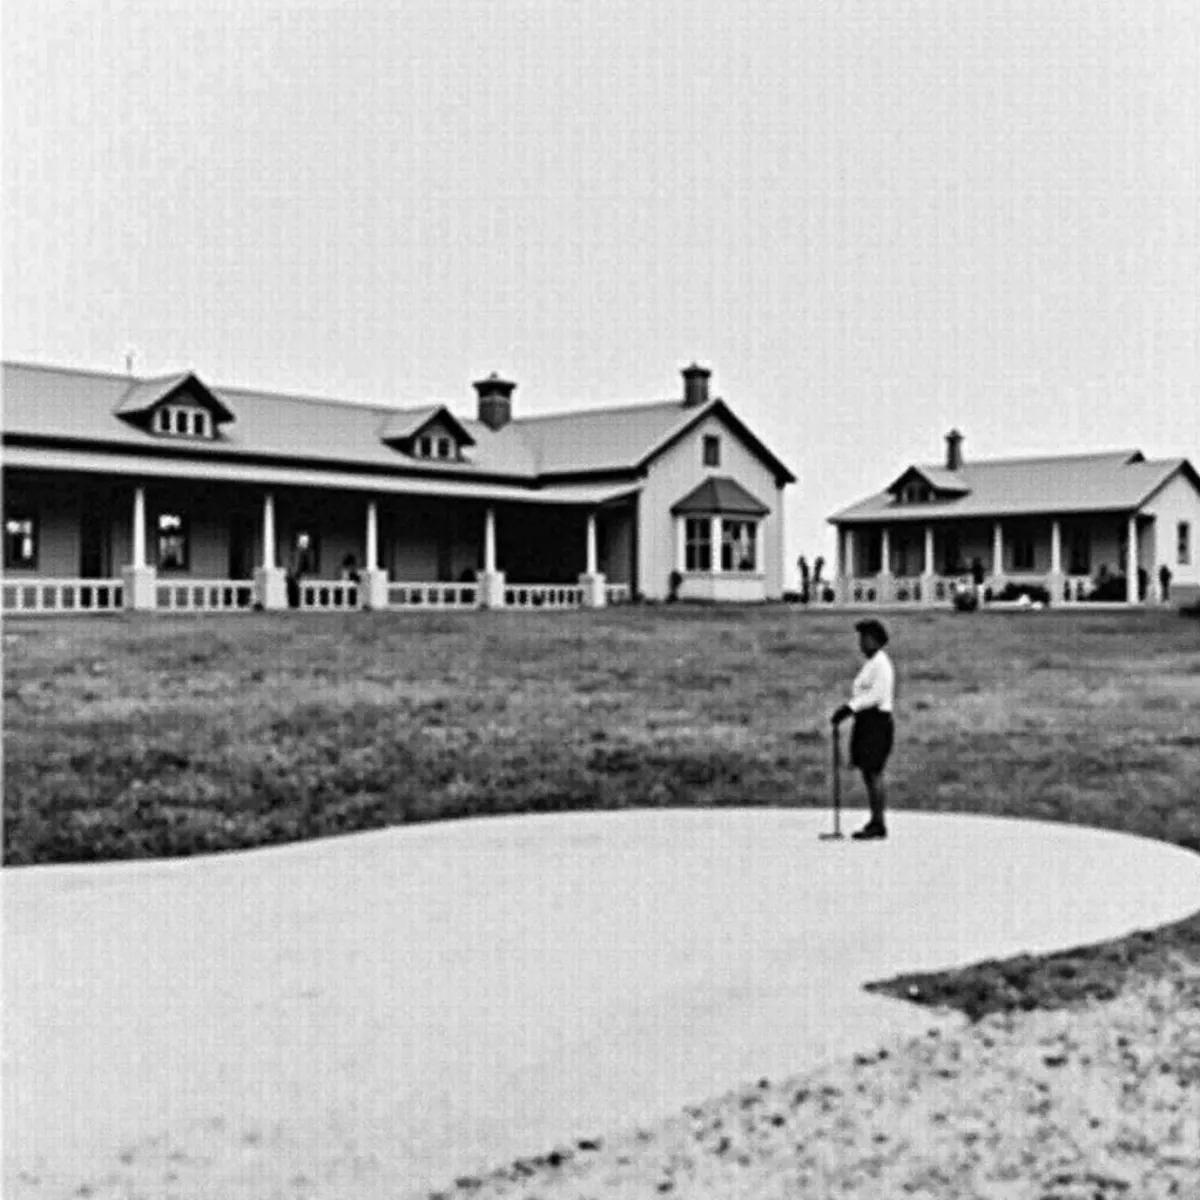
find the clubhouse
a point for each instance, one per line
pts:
(170, 494)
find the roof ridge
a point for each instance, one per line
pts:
(1029, 458)
(123, 376)
(607, 408)
(376, 405)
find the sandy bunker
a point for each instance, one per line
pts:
(391, 1009)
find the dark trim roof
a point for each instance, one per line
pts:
(405, 427)
(940, 482)
(1185, 467)
(145, 395)
(720, 495)
(264, 433)
(718, 408)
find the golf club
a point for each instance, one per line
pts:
(836, 835)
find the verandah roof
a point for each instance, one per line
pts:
(231, 471)
(1119, 481)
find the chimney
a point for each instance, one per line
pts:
(495, 401)
(954, 458)
(695, 386)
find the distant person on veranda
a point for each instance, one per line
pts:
(871, 703)
(1164, 582)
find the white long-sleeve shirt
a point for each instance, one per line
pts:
(875, 685)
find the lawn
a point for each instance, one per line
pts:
(172, 736)
(129, 738)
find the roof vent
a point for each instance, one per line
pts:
(954, 457)
(495, 401)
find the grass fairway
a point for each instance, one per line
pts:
(171, 736)
(178, 736)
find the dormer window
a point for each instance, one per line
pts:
(183, 420)
(435, 446)
(432, 434)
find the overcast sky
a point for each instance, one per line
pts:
(873, 221)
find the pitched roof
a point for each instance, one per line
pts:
(600, 438)
(52, 402)
(1113, 481)
(720, 494)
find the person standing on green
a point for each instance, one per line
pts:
(871, 702)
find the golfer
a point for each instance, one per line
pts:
(871, 707)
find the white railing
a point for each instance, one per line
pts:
(616, 593)
(433, 595)
(329, 595)
(204, 595)
(941, 589)
(64, 596)
(543, 595)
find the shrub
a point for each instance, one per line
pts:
(965, 602)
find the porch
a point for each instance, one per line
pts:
(161, 547)
(1006, 563)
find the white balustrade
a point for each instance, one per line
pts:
(204, 595)
(433, 595)
(48, 596)
(332, 595)
(543, 595)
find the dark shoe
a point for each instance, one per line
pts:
(869, 833)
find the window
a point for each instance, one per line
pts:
(915, 493)
(172, 542)
(1183, 544)
(738, 546)
(1080, 557)
(182, 421)
(20, 541)
(425, 446)
(712, 450)
(1022, 552)
(698, 544)
(443, 447)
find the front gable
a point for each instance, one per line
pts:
(432, 434)
(719, 411)
(175, 406)
(922, 486)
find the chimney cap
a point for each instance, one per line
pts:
(696, 371)
(494, 385)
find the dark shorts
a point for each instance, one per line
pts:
(871, 740)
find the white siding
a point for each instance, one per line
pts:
(675, 473)
(1177, 501)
